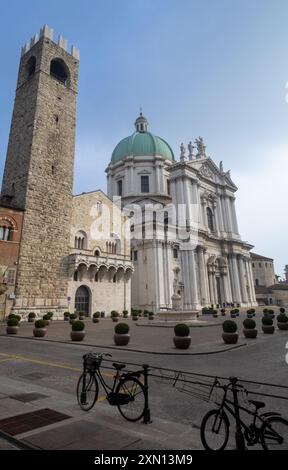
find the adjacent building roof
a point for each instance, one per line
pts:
(260, 257)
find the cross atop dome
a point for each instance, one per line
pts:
(141, 123)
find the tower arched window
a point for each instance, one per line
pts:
(31, 67)
(210, 219)
(60, 71)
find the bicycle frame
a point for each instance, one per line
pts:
(225, 405)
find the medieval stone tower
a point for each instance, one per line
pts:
(38, 174)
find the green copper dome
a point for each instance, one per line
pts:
(142, 143)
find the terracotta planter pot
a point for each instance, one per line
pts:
(12, 330)
(39, 332)
(81, 318)
(233, 315)
(268, 329)
(182, 342)
(31, 320)
(151, 318)
(77, 335)
(252, 333)
(96, 320)
(282, 326)
(66, 319)
(250, 315)
(230, 338)
(115, 320)
(121, 339)
(134, 318)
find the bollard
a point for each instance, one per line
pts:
(147, 415)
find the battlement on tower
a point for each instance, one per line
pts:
(47, 32)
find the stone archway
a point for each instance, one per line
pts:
(82, 300)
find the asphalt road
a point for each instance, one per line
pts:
(57, 367)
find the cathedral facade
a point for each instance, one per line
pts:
(182, 238)
(185, 239)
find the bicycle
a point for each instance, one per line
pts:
(271, 432)
(127, 392)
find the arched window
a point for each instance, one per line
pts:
(31, 67)
(114, 278)
(80, 241)
(97, 253)
(210, 219)
(97, 277)
(76, 276)
(60, 71)
(257, 282)
(6, 231)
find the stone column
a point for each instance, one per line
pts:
(242, 280)
(225, 288)
(234, 217)
(229, 216)
(203, 277)
(186, 280)
(236, 282)
(193, 280)
(253, 294)
(220, 215)
(211, 287)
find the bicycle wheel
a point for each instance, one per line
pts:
(215, 430)
(130, 399)
(87, 391)
(274, 433)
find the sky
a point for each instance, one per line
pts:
(211, 68)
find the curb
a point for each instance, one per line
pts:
(231, 348)
(17, 443)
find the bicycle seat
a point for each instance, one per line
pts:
(257, 404)
(118, 366)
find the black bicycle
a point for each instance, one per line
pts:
(268, 429)
(127, 392)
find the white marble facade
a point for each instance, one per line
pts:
(209, 263)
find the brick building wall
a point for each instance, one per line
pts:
(10, 236)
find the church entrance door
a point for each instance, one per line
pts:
(82, 300)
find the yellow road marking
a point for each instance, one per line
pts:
(44, 363)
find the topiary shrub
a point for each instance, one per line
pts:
(96, 315)
(78, 326)
(181, 330)
(66, 314)
(249, 324)
(265, 310)
(267, 321)
(282, 318)
(31, 315)
(282, 310)
(121, 329)
(114, 314)
(102, 314)
(229, 326)
(251, 311)
(12, 321)
(223, 311)
(50, 315)
(40, 324)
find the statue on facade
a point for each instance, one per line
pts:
(201, 148)
(182, 152)
(190, 150)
